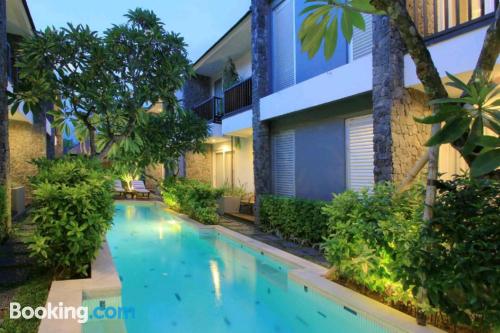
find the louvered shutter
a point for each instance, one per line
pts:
(283, 163)
(360, 155)
(362, 40)
(283, 46)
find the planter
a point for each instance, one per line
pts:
(18, 204)
(228, 205)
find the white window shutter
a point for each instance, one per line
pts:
(359, 152)
(283, 46)
(362, 40)
(283, 163)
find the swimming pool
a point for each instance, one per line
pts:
(180, 278)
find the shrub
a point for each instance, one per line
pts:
(294, 219)
(194, 198)
(3, 214)
(457, 257)
(369, 235)
(72, 210)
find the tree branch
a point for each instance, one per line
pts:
(490, 51)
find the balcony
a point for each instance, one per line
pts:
(438, 18)
(238, 97)
(210, 110)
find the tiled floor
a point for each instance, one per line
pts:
(252, 231)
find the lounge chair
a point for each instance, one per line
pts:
(118, 188)
(139, 188)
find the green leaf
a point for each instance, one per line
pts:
(444, 113)
(346, 24)
(485, 163)
(488, 141)
(475, 133)
(450, 132)
(331, 38)
(357, 20)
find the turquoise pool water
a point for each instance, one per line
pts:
(182, 279)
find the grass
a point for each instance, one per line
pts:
(33, 293)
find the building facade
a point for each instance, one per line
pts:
(30, 136)
(329, 125)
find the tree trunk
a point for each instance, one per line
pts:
(4, 115)
(92, 144)
(261, 11)
(428, 75)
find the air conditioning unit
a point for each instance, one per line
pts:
(18, 204)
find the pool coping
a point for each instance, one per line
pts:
(105, 281)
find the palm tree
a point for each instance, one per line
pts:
(4, 113)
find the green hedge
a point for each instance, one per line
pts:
(378, 240)
(457, 256)
(369, 235)
(194, 198)
(72, 210)
(3, 213)
(294, 219)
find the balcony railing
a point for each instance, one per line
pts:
(438, 17)
(238, 97)
(211, 110)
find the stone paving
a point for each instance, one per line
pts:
(253, 231)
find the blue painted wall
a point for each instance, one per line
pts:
(320, 156)
(307, 68)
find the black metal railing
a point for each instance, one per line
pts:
(238, 97)
(436, 17)
(211, 110)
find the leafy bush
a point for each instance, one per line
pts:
(3, 213)
(294, 219)
(370, 234)
(194, 198)
(72, 210)
(457, 257)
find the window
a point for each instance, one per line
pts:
(283, 61)
(283, 163)
(359, 152)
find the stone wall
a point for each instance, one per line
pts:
(196, 90)
(200, 166)
(261, 69)
(26, 143)
(408, 136)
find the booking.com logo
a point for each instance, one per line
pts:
(80, 314)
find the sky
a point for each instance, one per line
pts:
(200, 22)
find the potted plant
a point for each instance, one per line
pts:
(231, 199)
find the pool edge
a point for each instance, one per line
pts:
(313, 276)
(104, 281)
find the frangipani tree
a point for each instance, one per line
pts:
(103, 84)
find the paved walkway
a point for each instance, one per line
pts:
(252, 231)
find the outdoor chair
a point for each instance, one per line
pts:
(139, 188)
(118, 188)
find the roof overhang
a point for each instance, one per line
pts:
(234, 44)
(19, 20)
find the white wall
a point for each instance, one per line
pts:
(242, 162)
(456, 55)
(351, 79)
(244, 66)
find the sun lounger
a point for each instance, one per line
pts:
(139, 188)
